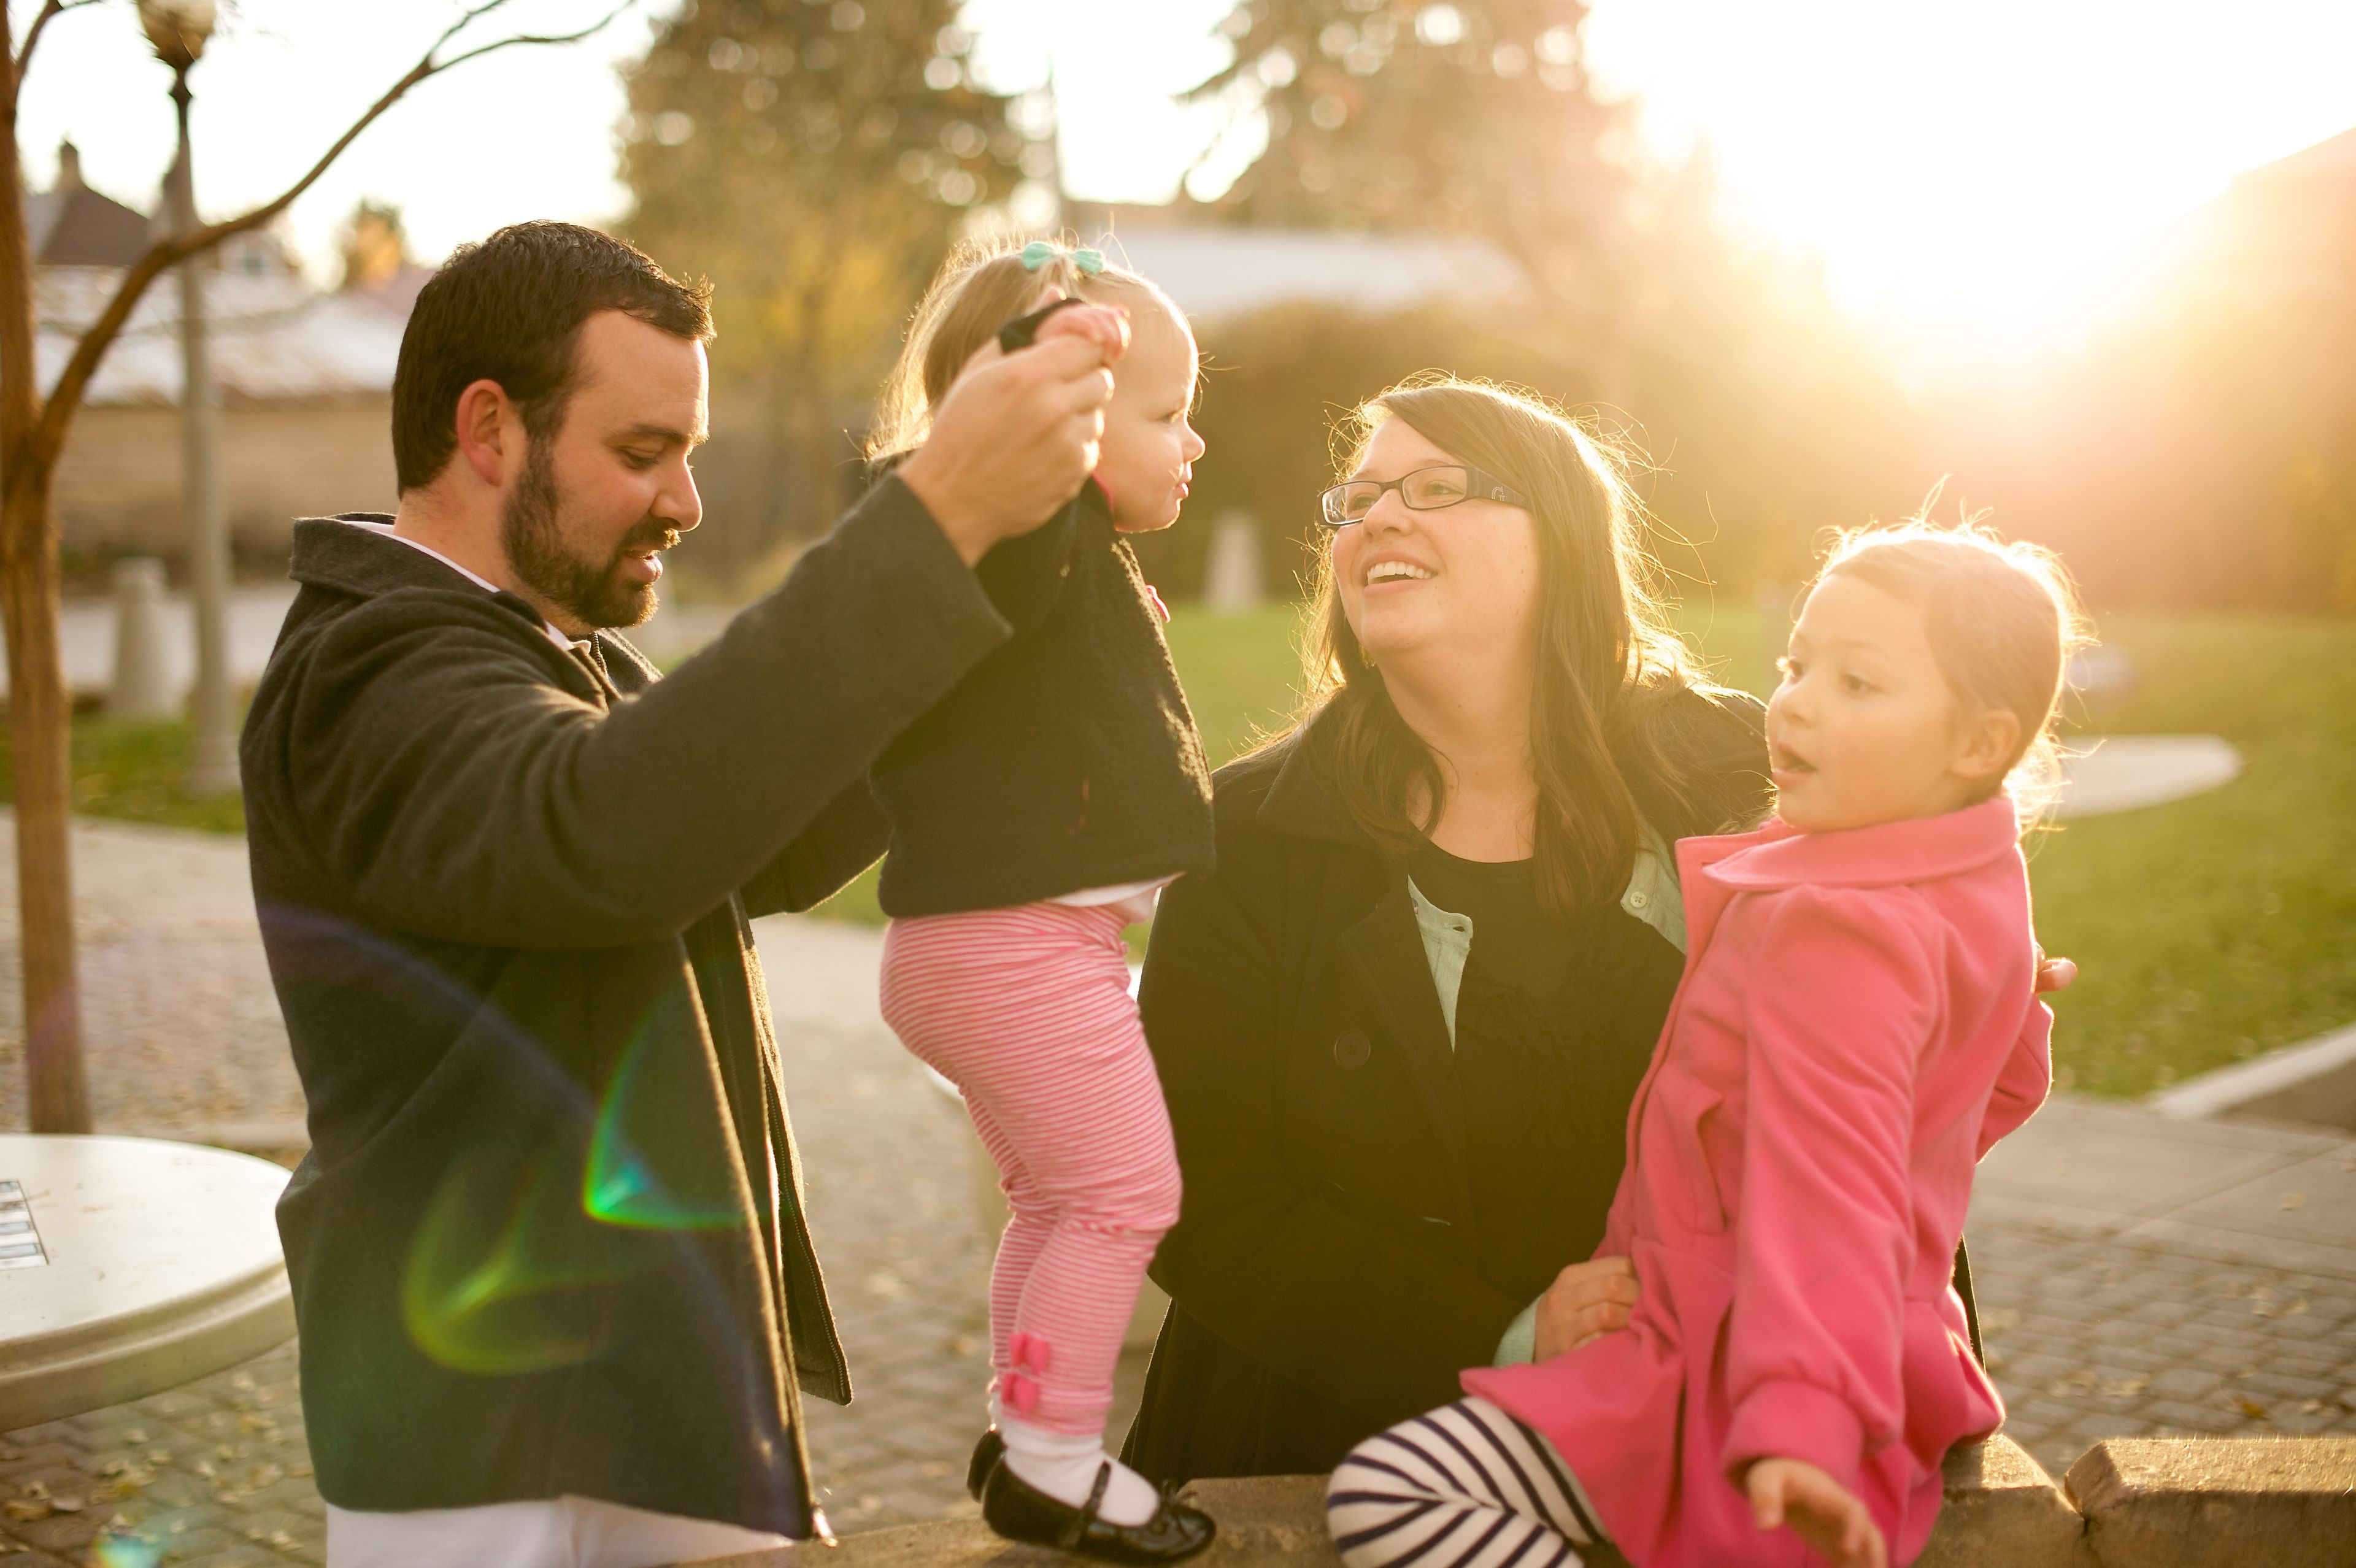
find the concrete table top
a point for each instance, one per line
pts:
(129, 1266)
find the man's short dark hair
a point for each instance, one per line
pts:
(510, 310)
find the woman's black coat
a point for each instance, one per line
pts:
(1322, 1270)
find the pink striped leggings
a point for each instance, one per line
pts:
(1027, 1012)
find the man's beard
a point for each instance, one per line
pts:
(593, 591)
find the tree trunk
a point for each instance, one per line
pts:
(39, 716)
(39, 712)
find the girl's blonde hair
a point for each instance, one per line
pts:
(981, 287)
(2003, 619)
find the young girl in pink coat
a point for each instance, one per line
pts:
(1856, 1027)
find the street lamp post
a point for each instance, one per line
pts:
(179, 29)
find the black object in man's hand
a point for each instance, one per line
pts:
(1020, 332)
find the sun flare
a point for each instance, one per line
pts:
(1971, 170)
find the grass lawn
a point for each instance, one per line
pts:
(2206, 930)
(2214, 928)
(132, 771)
(2210, 929)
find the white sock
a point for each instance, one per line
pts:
(1064, 1467)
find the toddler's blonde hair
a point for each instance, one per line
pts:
(981, 287)
(2003, 618)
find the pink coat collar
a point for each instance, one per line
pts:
(1917, 849)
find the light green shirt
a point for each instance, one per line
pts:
(1650, 896)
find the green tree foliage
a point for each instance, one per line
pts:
(1455, 117)
(814, 160)
(1435, 116)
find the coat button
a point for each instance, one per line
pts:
(1638, 900)
(1351, 1050)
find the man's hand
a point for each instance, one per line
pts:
(1821, 1512)
(1585, 1299)
(1016, 436)
(1106, 325)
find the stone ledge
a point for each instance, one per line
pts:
(2002, 1512)
(2186, 1503)
(1264, 1518)
(2002, 1508)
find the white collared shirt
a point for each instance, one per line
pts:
(479, 580)
(554, 1532)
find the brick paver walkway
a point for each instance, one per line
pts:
(2100, 1322)
(2090, 1340)
(181, 1028)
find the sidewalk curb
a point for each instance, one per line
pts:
(2227, 1088)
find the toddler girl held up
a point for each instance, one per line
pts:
(1034, 812)
(1855, 1030)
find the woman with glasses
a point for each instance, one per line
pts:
(1400, 1027)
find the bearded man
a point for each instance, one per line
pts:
(556, 1298)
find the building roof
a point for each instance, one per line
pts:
(2330, 164)
(275, 337)
(71, 224)
(1216, 269)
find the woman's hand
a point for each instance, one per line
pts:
(1585, 1299)
(2054, 973)
(1822, 1512)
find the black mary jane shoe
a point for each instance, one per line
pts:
(1019, 1511)
(986, 1456)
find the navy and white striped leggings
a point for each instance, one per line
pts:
(1464, 1487)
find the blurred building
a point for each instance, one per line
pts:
(305, 378)
(2196, 448)
(1214, 269)
(2283, 234)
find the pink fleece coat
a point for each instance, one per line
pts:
(1855, 1030)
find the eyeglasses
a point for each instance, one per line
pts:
(1425, 490)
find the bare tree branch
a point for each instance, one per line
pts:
(47, 438)
(33, 33)
(599, 25)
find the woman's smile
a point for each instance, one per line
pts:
(1388, 569)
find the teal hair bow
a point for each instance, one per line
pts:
(1039, 252)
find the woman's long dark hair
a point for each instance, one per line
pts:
(1608, 664)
